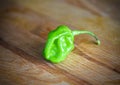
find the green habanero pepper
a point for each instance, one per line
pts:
(60, 43)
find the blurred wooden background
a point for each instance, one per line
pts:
(24, 25)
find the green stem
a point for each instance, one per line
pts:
(77, 32)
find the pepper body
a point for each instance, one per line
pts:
(60, 43)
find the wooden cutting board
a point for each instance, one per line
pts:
(24, 26)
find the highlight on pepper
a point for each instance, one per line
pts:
(60, 43)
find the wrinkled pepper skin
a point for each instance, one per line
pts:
(60, 43)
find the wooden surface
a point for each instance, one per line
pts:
(24, 25)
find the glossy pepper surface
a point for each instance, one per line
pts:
(60, 43)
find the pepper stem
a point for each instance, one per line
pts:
(77, 32)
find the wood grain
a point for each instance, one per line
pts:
(23, 31)
(23, 71)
